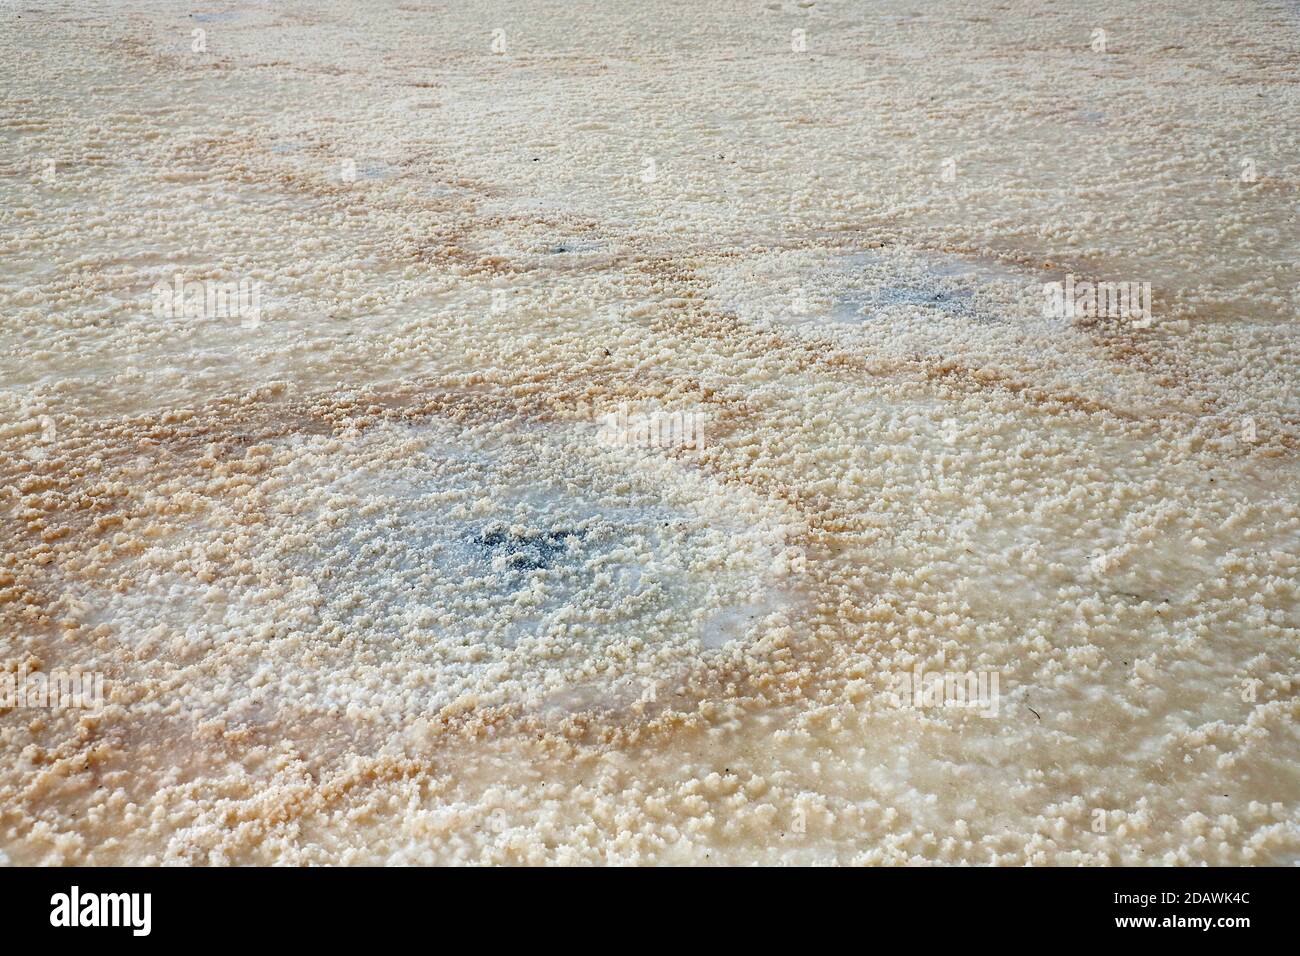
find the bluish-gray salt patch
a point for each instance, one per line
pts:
(953, 302)
(921, 284)
(571, 245)
(376, 171)
(898, 287)
(465, 566)
(400, 570)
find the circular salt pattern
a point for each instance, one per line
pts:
(423, 571)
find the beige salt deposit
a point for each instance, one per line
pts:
(402, 561)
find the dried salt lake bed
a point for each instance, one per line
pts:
(594, 421)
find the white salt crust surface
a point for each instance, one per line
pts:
(364, 584)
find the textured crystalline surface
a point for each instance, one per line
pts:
(366, 575)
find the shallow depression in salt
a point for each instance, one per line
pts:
(411, 569)
(877, 290)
